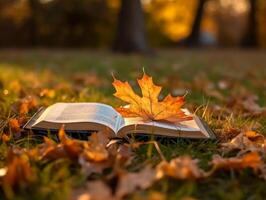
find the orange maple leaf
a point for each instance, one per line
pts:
(148, 106)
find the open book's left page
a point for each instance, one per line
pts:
(71, 113)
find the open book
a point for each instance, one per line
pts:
(100, 117)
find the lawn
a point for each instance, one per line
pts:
(225, 87)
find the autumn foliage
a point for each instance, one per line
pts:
(109, 167)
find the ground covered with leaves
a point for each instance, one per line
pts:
(226, 88)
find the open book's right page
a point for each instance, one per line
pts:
(190, 128)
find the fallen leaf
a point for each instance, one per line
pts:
(53, 152)
(130, 182)
(94, 190)
(26, 105)
(67, 148)
(72, 147)
(47, 93)
(89, 167)
(5, 138)
(124, 154)
(183, 167)
(95, 148)
(88, 79)
(148, 106)
(249, 160)
(19, 173)
(250, 105)
(246, 102)
(245, 141)
(14, 125)
(203, 84)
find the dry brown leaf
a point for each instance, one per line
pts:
(72, 147)
(124, 154)
(67, 148)
(249, 160)
(89, 167)
(203, 84)
(88, 79)
(94, 190)
(27, 104)
(148, 106)
(95, 148)
(53, 152)
(183, 167)
(19, 172)
(130, 182)
(14, 125)
(5, 138)
(118, 155)
(250, 105)
(246, 103)
(246, 141)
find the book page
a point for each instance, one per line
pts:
(83, 112)
(189, 125)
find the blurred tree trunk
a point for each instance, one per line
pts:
(130, 36)
(194, 36)
(32, 24)
(250, 39)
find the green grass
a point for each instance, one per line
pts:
(28, 72)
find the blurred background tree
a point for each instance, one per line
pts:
(131, 36)
(129, 25)
(250, 38)
(193, 38)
